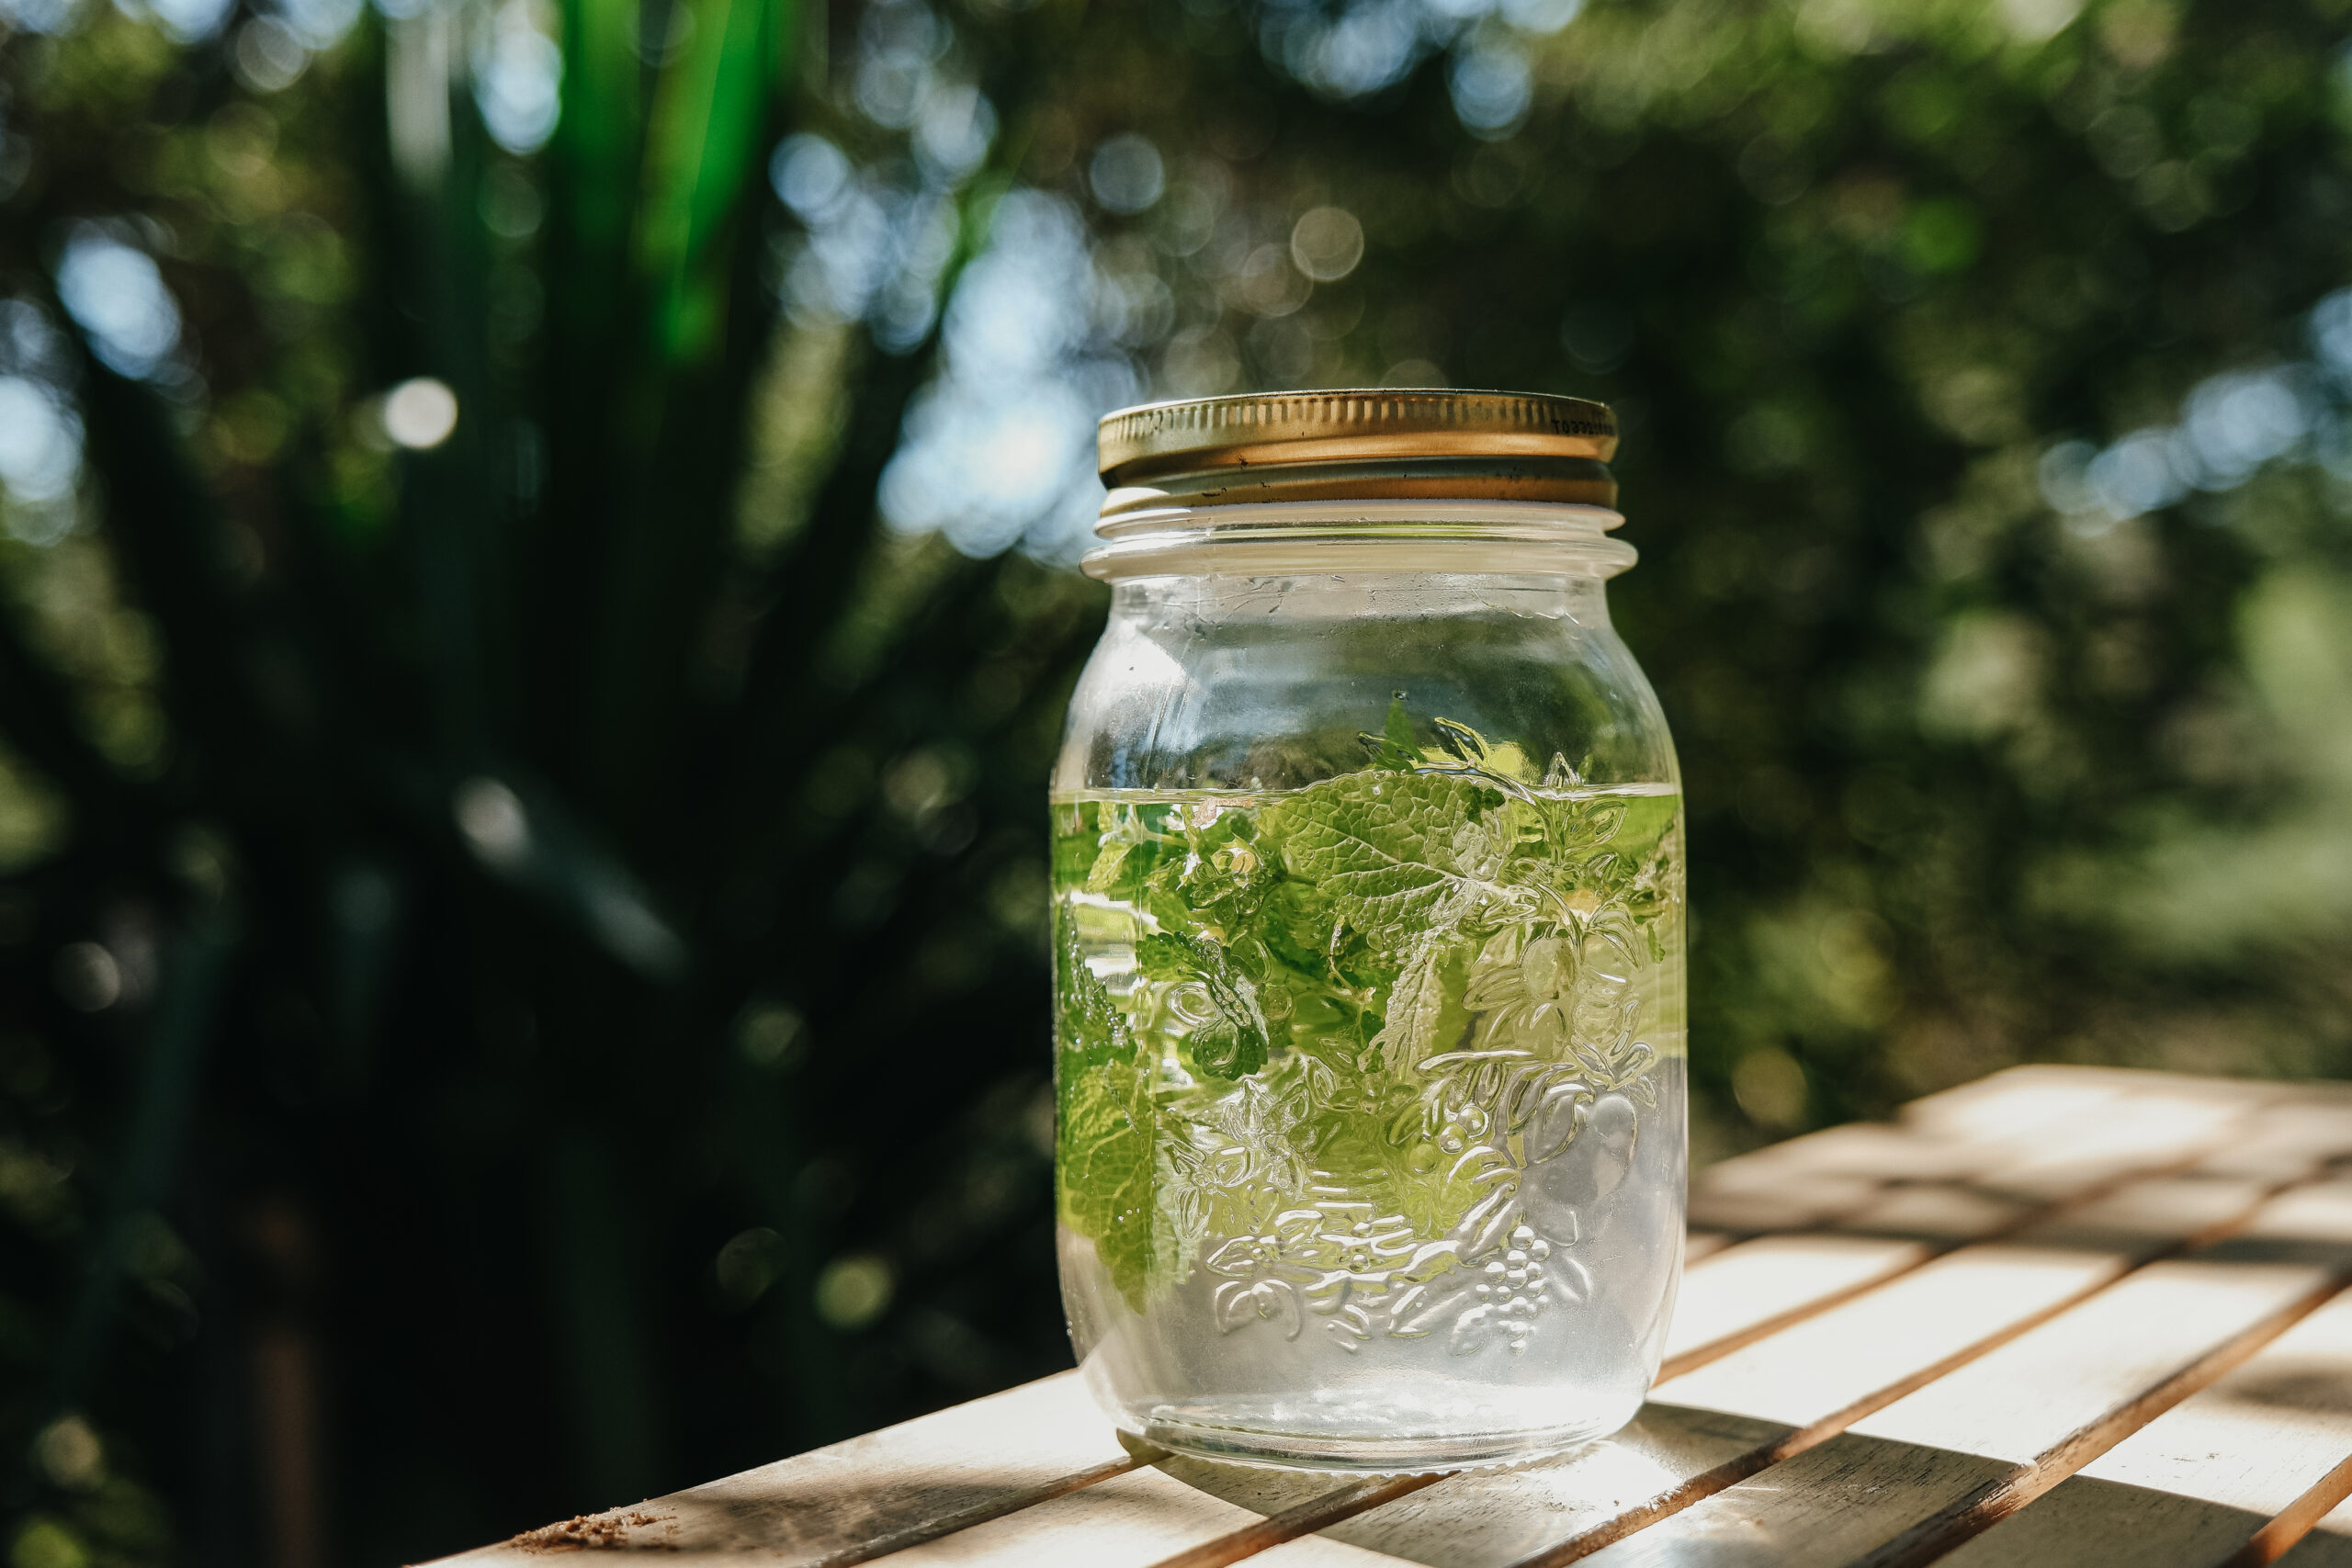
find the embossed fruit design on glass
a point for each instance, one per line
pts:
(1368, 917)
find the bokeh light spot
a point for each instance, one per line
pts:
(41, 443)
(70, 1454)
(518, 79)
(89, 978)
(420, 413)
(1770, 1085)
(772, 1036)
(491, 819)
(853, 1291)
(810, 175)
(747, 1266)
(1492, 89)
(118, 295)
(268, 55)
(1326, 244)
(1126, 174)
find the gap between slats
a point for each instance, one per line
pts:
(2296, 1520)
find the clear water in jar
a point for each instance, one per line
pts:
(1370, 1139)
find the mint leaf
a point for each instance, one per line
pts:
(1088, 1024)
(1394, 749)
(1427, 1013)
(1231, 1042)
(1399, 855)
(1128, 849)
(1106, 1177)
(1104, 876)
(1224, 872)
(1105, 1124)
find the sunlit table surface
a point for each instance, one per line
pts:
(2059, 1316)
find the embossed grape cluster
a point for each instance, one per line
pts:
(1463, 1125)
(1513, 1283)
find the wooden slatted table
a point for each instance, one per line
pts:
(2060, 1316)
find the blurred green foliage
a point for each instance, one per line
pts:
(522, 973)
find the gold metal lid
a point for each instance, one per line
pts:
(1376, 444)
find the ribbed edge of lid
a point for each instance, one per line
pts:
(1369, 423)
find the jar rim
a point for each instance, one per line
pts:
(1373, 535)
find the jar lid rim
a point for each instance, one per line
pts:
(1541, 519)
(1348, 424)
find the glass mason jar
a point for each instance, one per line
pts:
(1368, 912)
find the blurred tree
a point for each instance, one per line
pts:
(536, 614)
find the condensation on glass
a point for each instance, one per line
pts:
(1368, 917)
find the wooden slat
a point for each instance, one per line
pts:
(1742, 1287)
(1968, 1164)
(858, 1499)
(2046, 1095)
(1741, 1292)
(1792, 1201)
(2195, 1484)
(1881, 1151)
(2142, 1132)
(2287, 1137)
(1146, 1518)
(1947, 1214)
(1908, 1483)
(1995, 1134)
(1698, 1243)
